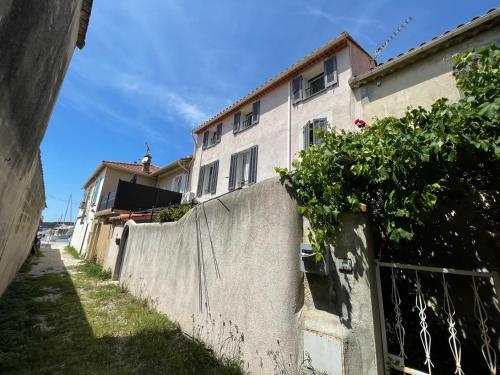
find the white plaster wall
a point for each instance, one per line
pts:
(418, 84)
(337, 104)
(270, 134)
(219, 263)
(165, 180)
(82, 231)
(112, 254)
(110, 182)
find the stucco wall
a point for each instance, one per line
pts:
(335, 104)
(37, 40)
(219, 263)
(83, 224)
(164, 181)
(109, 262)
(272, 133)
(420, 83)
(112, 176)
(24, 224)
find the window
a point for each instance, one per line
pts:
(207, 179)
(315, 84)
(310, 129)
(211, 138)
(95, 192)
(243, 168)
(247, 117)
(315, 80)
(179, 183)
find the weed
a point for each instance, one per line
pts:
(72, 251)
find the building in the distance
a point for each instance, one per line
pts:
(117, 187)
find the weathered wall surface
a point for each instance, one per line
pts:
(234, 260)
(340, 314)
(37, 40)
(420, 83)
(109, 262)
(24, 223)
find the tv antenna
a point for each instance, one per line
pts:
(391, 37)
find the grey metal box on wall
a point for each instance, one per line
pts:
(308, 263)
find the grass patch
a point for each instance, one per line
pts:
(95, 270)
(96, 328)
(72, 251)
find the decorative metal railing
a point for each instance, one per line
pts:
(401, 274)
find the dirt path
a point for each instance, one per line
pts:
(65, 316)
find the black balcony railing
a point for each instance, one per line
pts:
(315, 87)
(137, 197)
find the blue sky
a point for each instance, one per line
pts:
(151, 70)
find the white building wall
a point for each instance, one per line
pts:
(81, 232)
(270, 134)
(280, 122)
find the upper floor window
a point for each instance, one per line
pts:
(95, 192)
(247, 117)
(179, 183)
(243, 168)
(315, 80)
(207, 179)
(310, 132)
(211, 138)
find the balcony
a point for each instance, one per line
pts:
(315, 85)
(136, 197)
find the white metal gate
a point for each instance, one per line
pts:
(411, 275)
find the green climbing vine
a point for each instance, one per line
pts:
(400, 168)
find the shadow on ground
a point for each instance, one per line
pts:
(67, 322)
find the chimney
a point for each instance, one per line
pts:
(146, 163)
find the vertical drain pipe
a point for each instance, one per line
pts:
(289, 156)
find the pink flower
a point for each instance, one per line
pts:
(360, 123)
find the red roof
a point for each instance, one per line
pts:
(133, 167)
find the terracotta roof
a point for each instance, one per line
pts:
(317, 55)
(133, 167)
(129, 167)
(84, 22)
(475, 25)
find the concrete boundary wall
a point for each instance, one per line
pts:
(24, 222)
(229, 267)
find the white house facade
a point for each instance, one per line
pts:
(244, 143)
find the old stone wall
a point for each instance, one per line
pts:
(37, 40)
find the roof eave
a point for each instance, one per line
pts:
(287, 74)
(85, 11)
(409, 57)
(172, 166)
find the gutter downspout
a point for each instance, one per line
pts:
(289, 156)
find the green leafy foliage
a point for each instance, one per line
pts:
(172, 213)
(401, 167)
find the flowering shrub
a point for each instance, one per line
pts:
(401, 167)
